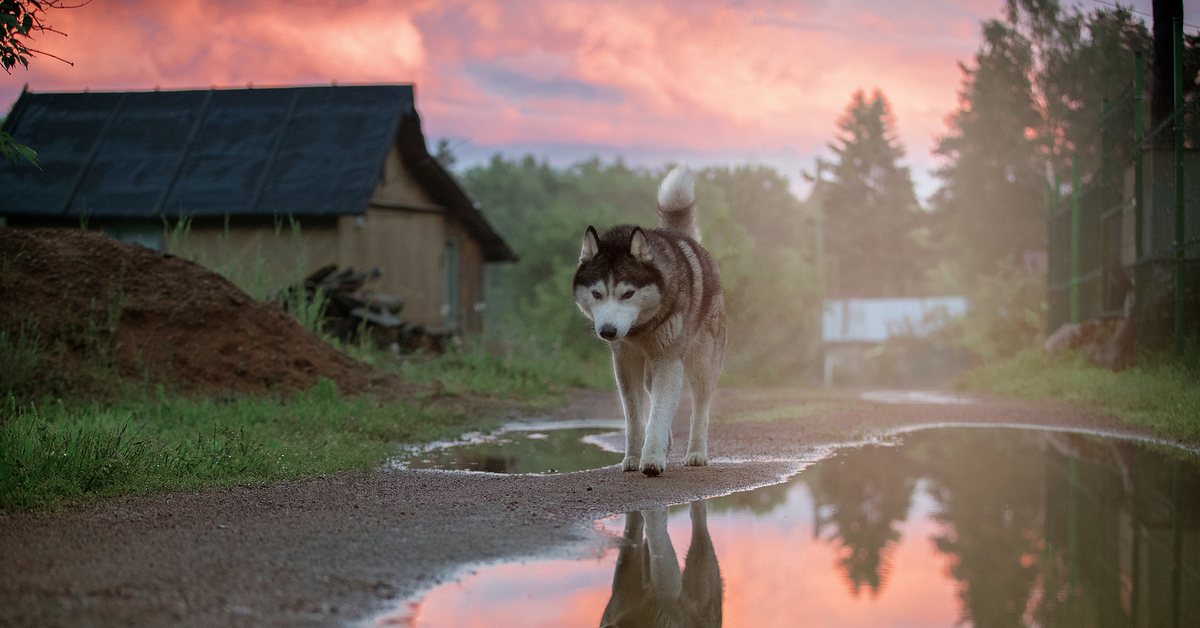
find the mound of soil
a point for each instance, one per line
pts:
(176, 322)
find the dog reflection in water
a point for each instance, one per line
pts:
(648, 588)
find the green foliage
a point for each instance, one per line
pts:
(19, 20)
(21, 352)
(991, 205)
(15, 152)
(502, 368)
(1031, 101)
(870, 208)
(543, 213)
(1007, 314)
(75, 360)
(761, 237)
(1164, 396)
(56, 450)
(757, 231)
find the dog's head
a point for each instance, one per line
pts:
(617, 285)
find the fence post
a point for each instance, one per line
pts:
(1180, 232)
(1075, 198)
(1139, 99)
(1107, 197)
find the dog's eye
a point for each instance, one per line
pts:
(596, 295)
(628, 295)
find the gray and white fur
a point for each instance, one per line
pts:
(648, 587)
(655, 296)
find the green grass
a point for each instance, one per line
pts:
(502, 369)
(1163, 396)
(65, 448)
(58, 451)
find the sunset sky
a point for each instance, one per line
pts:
(708, 81)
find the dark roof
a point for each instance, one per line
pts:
(305, 151)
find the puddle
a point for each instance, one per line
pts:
(949, 527)
(915, 396)
(523, 448)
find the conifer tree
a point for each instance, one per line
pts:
(992, 202)
(1030, 102)
(870, 207)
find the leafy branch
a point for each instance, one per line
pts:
(14, 152)
(19, 20)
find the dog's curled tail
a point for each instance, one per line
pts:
(677, 202)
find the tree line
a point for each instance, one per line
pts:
(1030, 100)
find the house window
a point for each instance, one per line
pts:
(451, 267)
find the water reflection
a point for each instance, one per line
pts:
(519, 450)
(859, 506)
(648, 587)
(984, 527)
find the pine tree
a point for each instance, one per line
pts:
(991, 205)
(870, 207)
(1030, 103)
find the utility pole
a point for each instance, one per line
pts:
(824, 363)
(1162, 73)
(820, 226)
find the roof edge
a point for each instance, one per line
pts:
(444, 188)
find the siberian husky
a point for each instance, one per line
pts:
(648, 587)
(655, 296)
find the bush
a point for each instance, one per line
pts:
(1007, 315)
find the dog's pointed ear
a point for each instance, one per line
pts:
(639, 247)
(591, 245)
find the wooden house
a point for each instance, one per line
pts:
(263, 184)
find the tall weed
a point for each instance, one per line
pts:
(504, 367)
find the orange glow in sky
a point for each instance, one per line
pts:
(705, 80)
(775, 574)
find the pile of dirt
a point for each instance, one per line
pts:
(163, 318)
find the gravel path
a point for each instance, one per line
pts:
(335, 550)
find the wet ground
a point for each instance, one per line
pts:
(359, 548)
(545, 447)
(943, 527)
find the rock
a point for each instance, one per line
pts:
(1107, 342)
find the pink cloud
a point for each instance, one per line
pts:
(137, 45)
(704, 75)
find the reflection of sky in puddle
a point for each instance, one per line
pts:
(521, 448)
(954, 527)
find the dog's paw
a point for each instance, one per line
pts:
(696, 459)
(630, 463)
(653, 466)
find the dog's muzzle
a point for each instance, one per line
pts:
(608, 332)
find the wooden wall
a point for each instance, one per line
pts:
(403, 233)
(259, 257)
(408, 248)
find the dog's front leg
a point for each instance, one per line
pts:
(629, 365)
(664, 400)
(666, 581)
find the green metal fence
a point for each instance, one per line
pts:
(1133, 230)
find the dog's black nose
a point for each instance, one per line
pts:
(608, 332)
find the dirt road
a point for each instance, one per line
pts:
(336, 550)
